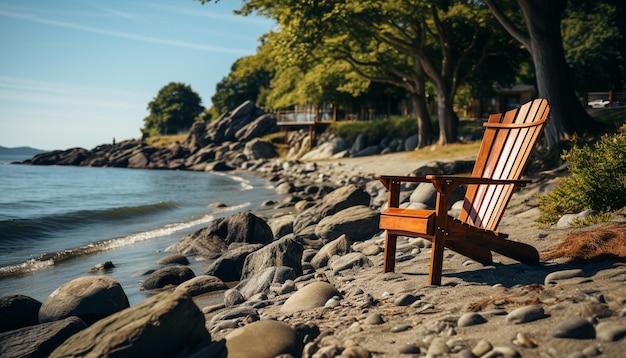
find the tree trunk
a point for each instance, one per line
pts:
(543, 20)
(448, 120)
(424, 127)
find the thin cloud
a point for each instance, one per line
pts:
(125, 35)
(205, 12)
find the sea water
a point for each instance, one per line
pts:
(57, 222)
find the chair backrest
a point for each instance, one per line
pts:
(507, 143)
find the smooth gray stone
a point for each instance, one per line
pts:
(470, 319)
(610, 331)
(577, 328)
(526, 314)
(374, 319)
(554, 277)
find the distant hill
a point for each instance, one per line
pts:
(20, 151)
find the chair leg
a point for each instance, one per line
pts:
(390, 252)
(436, 259)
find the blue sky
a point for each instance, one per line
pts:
(78, 73)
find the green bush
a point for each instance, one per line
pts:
(394, 126)
(597, 180)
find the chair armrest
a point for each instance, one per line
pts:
(457, 180)
(387, 179)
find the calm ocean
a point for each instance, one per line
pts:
(58, 222)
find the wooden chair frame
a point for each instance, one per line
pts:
(507, 143)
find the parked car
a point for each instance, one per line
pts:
(598, 103)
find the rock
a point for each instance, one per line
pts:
(326, 150)
(405, 300)
(311, 296)
(202, 284)
(568, 219)
(282, 226)
(553, 277)
(18, 311)
(228, 266)
(526, 314)
(265, 338)
(577, 328)
(283, 252)
(259, 149)
(173, 259)
(212, 241)
(470, 319)
(171, 275)
(104, 266)
(372, 150)
(339, 246)
(262, 281)
(262, 125)
(90, 298)
(348, 261)
(39, 340)
(359, 223)
(233, 297)
(164, 325)
(138, 161)
(610, 331)
(218, 166)
(339, 199)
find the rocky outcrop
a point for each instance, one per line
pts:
(220, 140)
(39, 340)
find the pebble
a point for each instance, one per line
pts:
(610, 331)
(470, 319)
(374, 319)
(526, 314)
(401, 328)
(481, 348)
(355, 352)
(577, 328)
(405, 300)
(437, 347)
(525, 341)
(502, 352)
(554, 277)
(409, 349)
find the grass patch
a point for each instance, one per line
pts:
(164, 141)
(450, 151)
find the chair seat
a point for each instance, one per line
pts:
(410, 220)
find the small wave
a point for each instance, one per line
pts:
(50, 259)
(244, 183)
(28, 229)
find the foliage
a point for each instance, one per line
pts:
(597, 180)
(173, 110)
(164, 141)
(249, 79)
(394, 127)
(593, 44)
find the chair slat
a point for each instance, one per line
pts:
(505, 149)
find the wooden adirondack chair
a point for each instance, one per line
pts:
(504, 152)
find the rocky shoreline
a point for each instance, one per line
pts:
(307, 281)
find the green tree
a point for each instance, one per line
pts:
(540, 34)
(593, 42)
(173, 110)
(397, 42)
(249, 79)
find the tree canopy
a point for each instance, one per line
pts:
(173, 110)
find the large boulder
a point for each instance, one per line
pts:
(18, 311)
(228, 266)
(167, 276)
(283, 252)
(39, 340)
(202, 284)
(339, 199)
(164, 325)
(213, 240)
(262, 125)
(359, 223)
(259, 149)
(90, 297)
